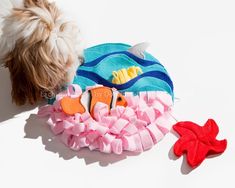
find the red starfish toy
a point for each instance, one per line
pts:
(198, 142)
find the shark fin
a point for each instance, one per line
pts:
(139, 49)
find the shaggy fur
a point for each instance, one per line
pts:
(40, 47)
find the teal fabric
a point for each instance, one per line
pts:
(102, 60)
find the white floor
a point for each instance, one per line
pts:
(195, 40)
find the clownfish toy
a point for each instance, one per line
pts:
(87, 100)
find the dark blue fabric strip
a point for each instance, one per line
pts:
(99, 80)
(138, 60)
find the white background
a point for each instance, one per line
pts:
(195, 40)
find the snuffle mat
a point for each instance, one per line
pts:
(135, 127)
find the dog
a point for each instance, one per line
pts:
(41, 48)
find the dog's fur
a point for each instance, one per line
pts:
(40, 47)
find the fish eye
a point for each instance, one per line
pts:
(119, 99)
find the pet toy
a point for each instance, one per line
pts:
(198, 142)
(124, 75)
(136, 127)
(87, 100)
(132, 117)
(102, 60)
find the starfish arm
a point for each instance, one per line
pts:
(211, 128)
(182, 145)
(197, 154)
(218, 146)
(186, 128)
(198, 142)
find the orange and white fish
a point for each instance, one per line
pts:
(89, 98)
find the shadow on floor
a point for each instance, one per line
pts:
(185, 168)
(36, 127)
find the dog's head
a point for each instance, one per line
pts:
(41, 49)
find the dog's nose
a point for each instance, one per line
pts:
(81, 59)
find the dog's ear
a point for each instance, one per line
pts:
(23, 89)
(33, 72)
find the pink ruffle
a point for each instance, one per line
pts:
(136, 128)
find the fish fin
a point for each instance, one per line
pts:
(139, 49)
(72, 106)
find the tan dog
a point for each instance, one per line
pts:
(41, 48)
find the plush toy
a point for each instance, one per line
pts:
(136, 127)
(198, 142)
(129, 110)
(87, 100)
(130, 114)
(124, 75)
(102, 60)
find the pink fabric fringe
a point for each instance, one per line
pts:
(136, 128)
